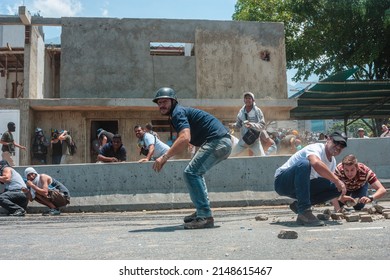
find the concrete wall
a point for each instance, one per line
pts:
(246, 181)
(110, 58)
(34, 65)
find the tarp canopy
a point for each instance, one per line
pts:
(338, 98)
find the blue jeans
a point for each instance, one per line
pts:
(208, 155)
(13, 201)
(295, 182)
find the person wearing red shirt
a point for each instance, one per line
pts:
(356, 177)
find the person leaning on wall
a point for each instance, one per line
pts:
(113, 151)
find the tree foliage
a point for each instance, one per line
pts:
(326, 36)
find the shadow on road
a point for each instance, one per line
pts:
(295, 225)
(163, 229)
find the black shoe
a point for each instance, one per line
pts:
(308, 219)
(18, 213)
(199, 223)
(294, 207)
(190, 218)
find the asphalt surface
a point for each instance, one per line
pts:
(160, 235)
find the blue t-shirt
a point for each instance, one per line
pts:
(203, 125)
(108, 151)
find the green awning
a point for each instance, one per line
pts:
(338, 98)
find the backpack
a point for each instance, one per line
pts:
(144, 150)
(72, 147)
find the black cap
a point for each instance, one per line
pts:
(339, 137)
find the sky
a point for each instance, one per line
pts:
(170, 9)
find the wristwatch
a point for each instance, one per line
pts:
(371, 197)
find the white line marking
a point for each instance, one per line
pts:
(336, 229)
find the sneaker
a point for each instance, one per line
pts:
(199, 223)
(18, 213)
(308, 219)
(294, 207)
(52, 212)
(190, 218)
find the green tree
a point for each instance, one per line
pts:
(353, 128)
(326, 36)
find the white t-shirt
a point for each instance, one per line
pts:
(160, 147)
(317, 149)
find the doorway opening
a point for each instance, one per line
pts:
(110, 126)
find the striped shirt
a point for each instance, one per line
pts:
(363, 175)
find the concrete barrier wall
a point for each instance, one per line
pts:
(246, 181)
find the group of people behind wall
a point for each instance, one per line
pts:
(41, 147)
(310, 176)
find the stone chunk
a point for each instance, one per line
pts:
(366, 219)
(261, 218)
(327, 212)
(386, 215)
(350, 203)
(323, 217)
(337, 216)
(352, 218)
(379, 208)
(371, 210)
(288, 234)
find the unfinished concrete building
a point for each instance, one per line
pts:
(106, 71)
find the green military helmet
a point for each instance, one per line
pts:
(165, 92)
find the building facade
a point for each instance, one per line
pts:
(106, 71)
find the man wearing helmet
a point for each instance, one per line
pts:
(8, 148)
(200, 129)
(39, 147)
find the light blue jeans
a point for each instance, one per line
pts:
(256, 148)
(295, 182)
(208, 155)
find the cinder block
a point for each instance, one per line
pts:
(352, 218)
(366, 219)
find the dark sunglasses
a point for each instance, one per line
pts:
(339, 143)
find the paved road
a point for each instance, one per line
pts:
(159, 235)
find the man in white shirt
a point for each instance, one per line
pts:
(151, 146)
(249, 117)
(308, 177)
(361, 133)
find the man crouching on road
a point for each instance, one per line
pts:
(200, 129)
(308, 176)
(14, 198)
